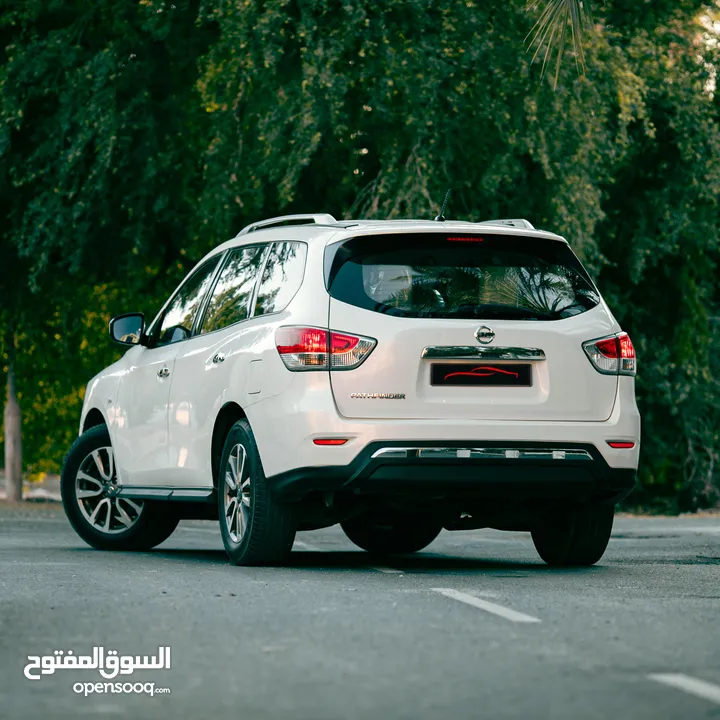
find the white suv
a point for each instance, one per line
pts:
(395, 377)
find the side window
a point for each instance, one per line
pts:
(232, 295)
(177, 322)
(282, 277)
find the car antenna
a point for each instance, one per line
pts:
(441, 216)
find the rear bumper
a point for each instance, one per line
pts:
(285, 426)
(521, 471)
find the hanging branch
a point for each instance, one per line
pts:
(549, 33)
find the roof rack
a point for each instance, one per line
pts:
(525, 224)
(314, 219)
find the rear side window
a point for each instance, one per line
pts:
(460, 276)
(282, 277)
(232, 294)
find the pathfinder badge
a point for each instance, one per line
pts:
(378, 396)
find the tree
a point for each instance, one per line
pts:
(136, 135)
(13, 430)
(558, 19)
(375, 109)
(99, 172)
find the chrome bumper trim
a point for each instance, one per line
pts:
(472, 453)
(461, 352)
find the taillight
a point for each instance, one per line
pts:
(628, 361)
(303, 348)
(349, 351)
(318, 349)
(613, 355)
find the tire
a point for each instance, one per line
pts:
(392, 533)
(256, 529)
(149, 523)
(574, 536)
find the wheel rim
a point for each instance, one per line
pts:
(237, 493)
(96, 490)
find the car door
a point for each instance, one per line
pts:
(141, 439)
(210, 367)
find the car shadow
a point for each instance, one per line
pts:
(421, 563)
(353, 561)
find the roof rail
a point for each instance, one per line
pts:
(316, 219)
(525, 224)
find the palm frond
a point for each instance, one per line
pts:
(549, 33)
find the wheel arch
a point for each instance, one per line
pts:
(229, 414)
(93, 418)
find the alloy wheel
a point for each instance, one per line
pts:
(96, 490)
(237, 493)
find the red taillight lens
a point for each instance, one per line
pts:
(621, 444)
(628, 361)
(342, 343)
(349, 351)
(330, 441)
(612, 355)
(319, 349)
(303, 348)
(301, 340)
(609, 347)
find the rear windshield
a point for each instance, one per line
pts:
(453, 276)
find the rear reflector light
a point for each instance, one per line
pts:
(330, 441)
(304, 348)
(620, 444)
(613, 355)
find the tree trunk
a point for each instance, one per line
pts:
(13, 430)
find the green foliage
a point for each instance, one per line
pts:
(100, 133)
(101, 136)
(660, 239)
(136, 135)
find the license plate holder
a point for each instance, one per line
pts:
(481, 375)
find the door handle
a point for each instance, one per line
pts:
(218, 358)
(163, 372)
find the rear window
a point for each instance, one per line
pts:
(460, 276)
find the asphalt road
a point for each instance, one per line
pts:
(475, 627)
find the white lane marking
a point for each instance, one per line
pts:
(667, 530)
(302, 545)
(35, 563)
(690, 685)
(52, 521)
(214, 531)
(297, 545)
(499, 610)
